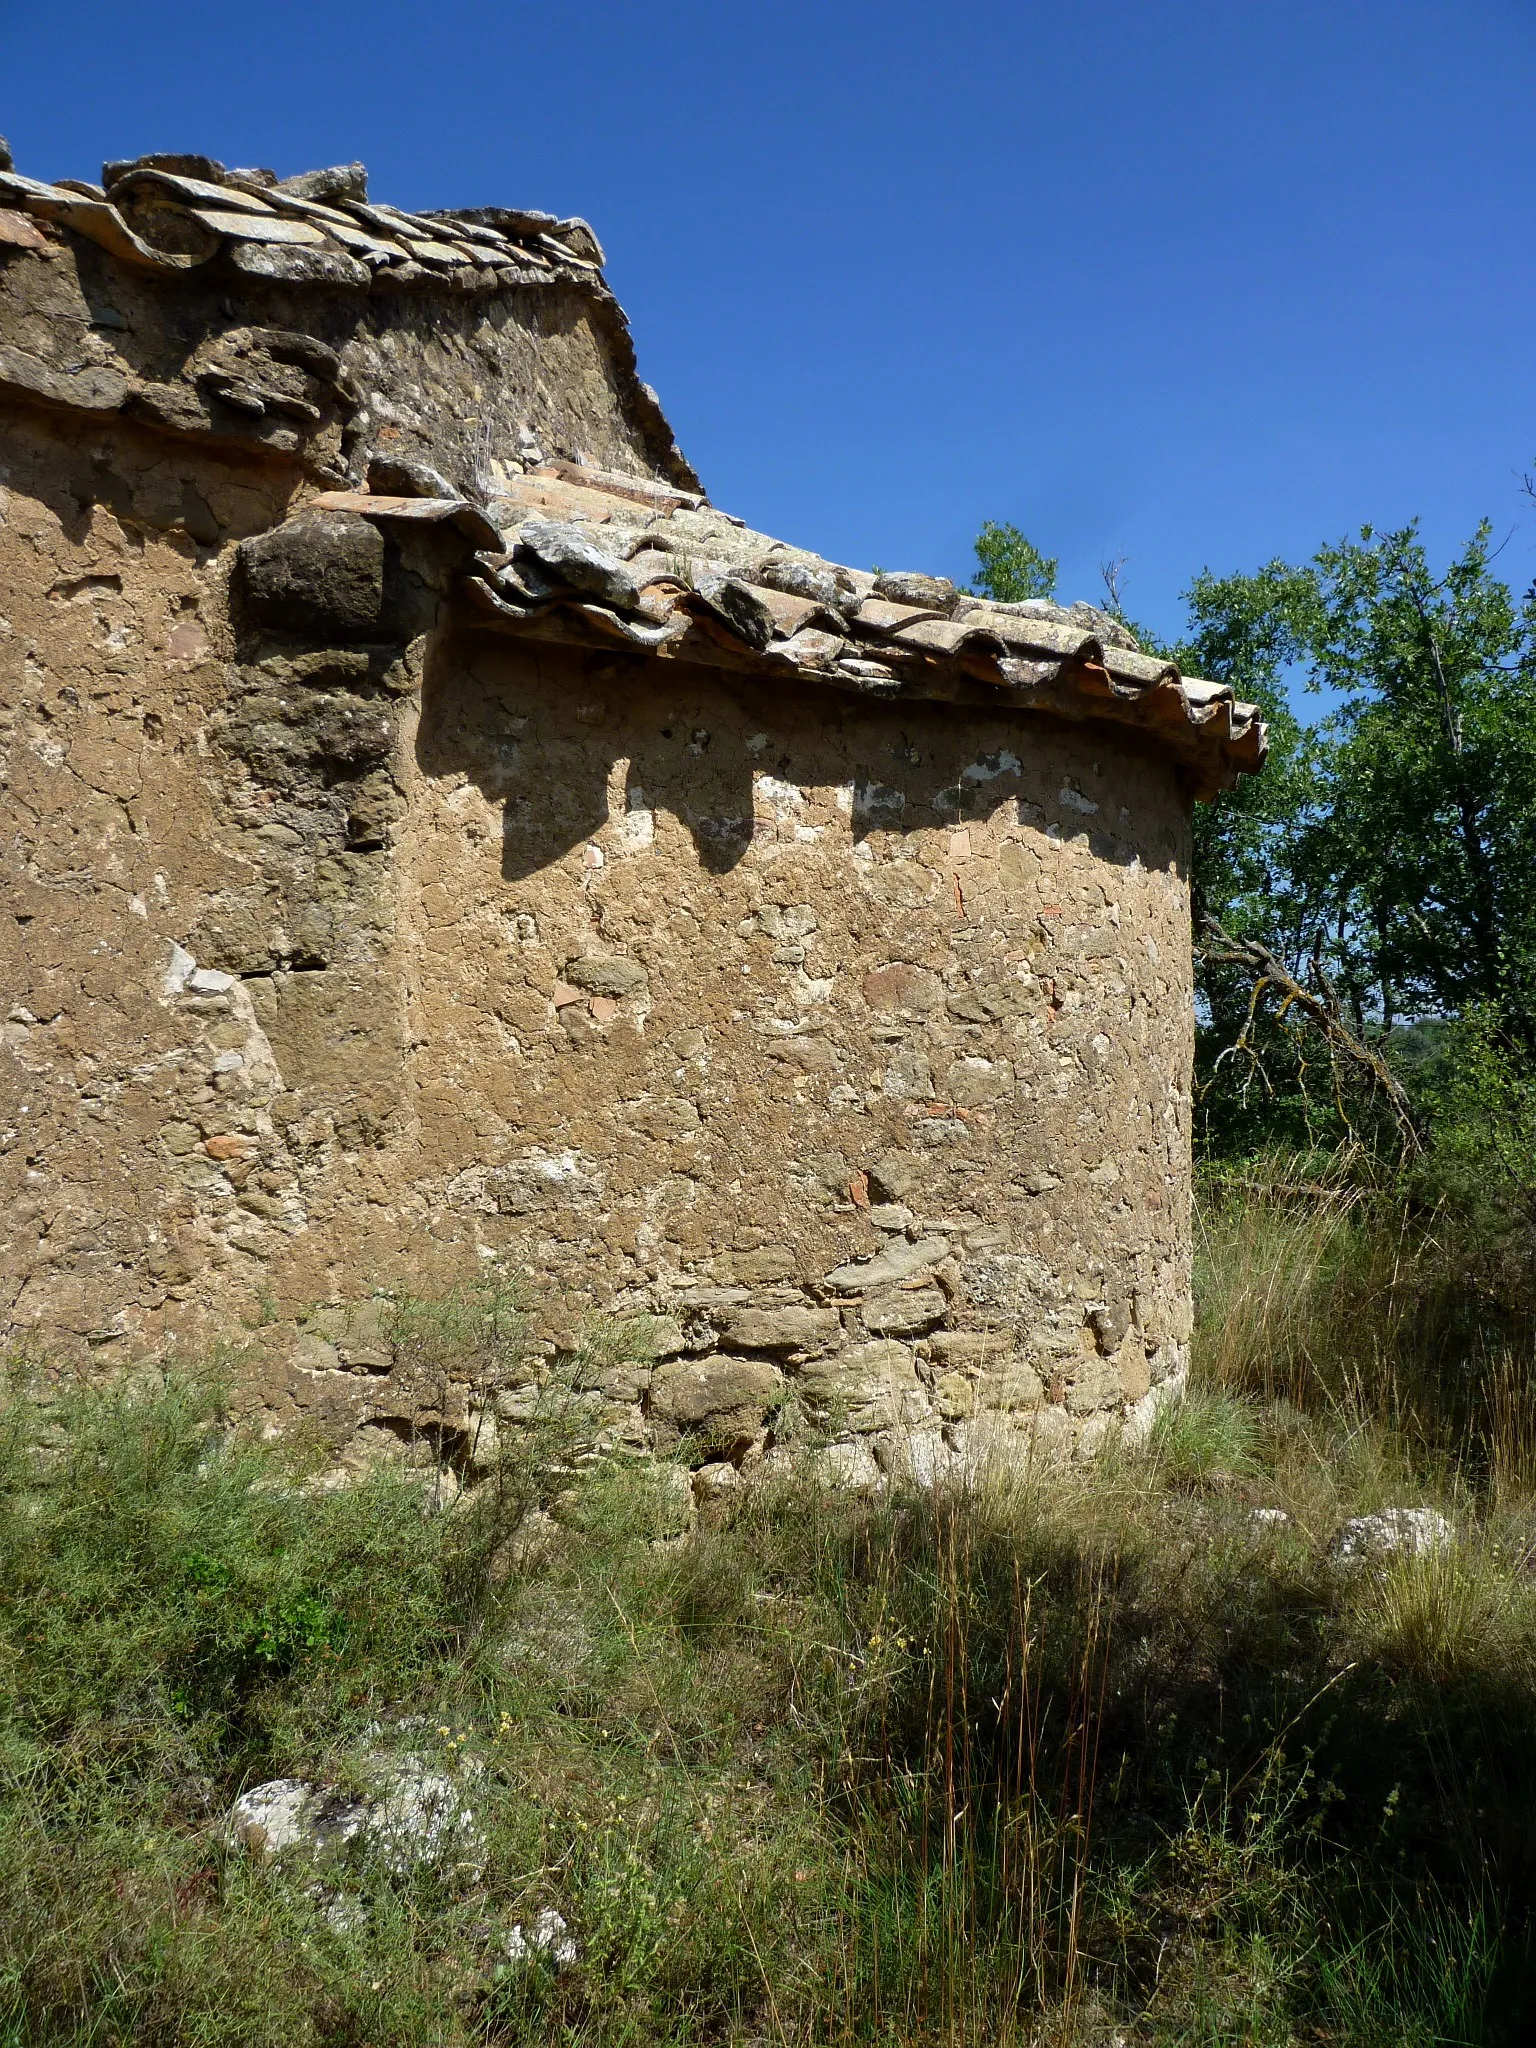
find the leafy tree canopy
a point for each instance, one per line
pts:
(1010, 568)
(1391, 846)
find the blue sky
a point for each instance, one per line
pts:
(1188, 283)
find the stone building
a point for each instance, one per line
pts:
(439, 841)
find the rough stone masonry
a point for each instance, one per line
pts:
(438, 841)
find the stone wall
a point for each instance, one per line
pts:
(854, 1040)
(851, 1040)
(349, 947)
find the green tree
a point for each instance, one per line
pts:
(1010, 568)
(1250, 631)
(1386, 854)
(1397, 843)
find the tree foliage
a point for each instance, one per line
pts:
(1386, 853)
(1009, 568)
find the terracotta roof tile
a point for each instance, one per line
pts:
(699, 584)
(1074, 663)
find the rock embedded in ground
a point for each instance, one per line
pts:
(546, 1937)
(1268, 1521)
(420, 1817)
(288, 1814)
(417, 1816)
(1393, 1532)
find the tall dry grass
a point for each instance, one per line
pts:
(1335, 1293)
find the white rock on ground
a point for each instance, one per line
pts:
(287, 1813)
(1393, 1532)
(545, 1935)
(1268, 1521)
(418, 1816)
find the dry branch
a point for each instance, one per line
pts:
(1321, 1010)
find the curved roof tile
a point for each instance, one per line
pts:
(699, 584)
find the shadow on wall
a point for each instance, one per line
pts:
(539, 731)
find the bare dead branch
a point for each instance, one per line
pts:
(1320, 1010)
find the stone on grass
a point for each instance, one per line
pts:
(417, 1817)
(1393, 1532)
(289, 1814)
(545, 1937)
(1268, 1521)
(342, 1912)
(420, 1817)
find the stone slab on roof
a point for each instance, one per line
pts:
(587, 559)
(183, 219)
(175, 214)
(593, 557)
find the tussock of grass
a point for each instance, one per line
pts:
(1437, 1616)
(1208, 1438)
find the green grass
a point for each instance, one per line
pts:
(1067, 1757)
